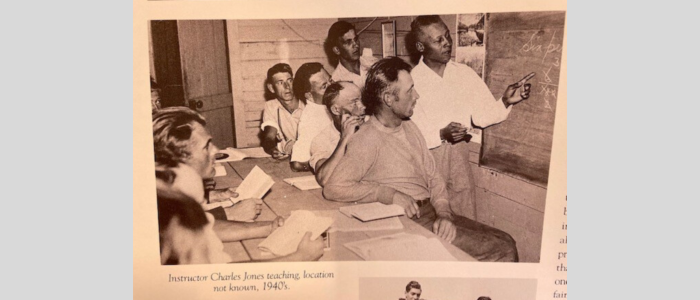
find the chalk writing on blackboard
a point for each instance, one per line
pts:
(548, 88)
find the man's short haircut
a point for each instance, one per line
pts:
(379, 77)
(412, 285)
(172, 129)
(278, 68)
(412, 37)
(484, 298)
(301, 79)
(332, 92)
(337, 30)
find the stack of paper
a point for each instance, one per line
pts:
(285, 240)
(304, 183)
(343, 223)
(231, 154)
(372, 211)
(401, 247)
(255, 185)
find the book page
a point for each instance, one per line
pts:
(218, 52)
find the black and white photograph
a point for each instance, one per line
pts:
(407, 288)
(387, 138)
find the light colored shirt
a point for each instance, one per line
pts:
(458, 96)
(313, 120)
(342, 74)
(324, 144)
(286, 123)
(381, 161)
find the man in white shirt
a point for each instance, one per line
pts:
(343, 100)
(454, 99)
(344, 51)
(280, 115)
(310, 82)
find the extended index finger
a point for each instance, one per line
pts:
(526, 78)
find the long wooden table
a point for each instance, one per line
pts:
(284, 198)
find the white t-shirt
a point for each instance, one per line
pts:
(313, 120)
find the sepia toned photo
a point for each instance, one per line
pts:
(447, 289)
(387, 138)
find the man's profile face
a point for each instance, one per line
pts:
(319, 82)
(281, 86)
(405, 96)
(201, 151)
(349, 100)
(349, 46)
(413, 294)
(437, 42)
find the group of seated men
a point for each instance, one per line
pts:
(360, 130)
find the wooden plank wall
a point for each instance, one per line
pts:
(257, 45)
(504, 202)
(371, 37)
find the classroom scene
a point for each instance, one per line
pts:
(381, 288)
(390, 138)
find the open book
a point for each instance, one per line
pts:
(232, 154)
(401, 247)
(285, 240)
(255, 185)
(372, 211)
(304, 183)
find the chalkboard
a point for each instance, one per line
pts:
(517, 44)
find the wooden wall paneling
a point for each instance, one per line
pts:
(234, 53)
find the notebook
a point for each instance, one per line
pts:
(255, 185)
(285, 240)
(232, 154)
(343, 223)
(372, 211)
(401, 247)
(304, 183)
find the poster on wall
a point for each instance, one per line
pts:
(470, 44)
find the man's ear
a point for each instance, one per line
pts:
(269, 88)
(420, 47)
(388, 98)
(309, 96)
(336, 50)
(335, 110)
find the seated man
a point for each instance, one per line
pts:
(188, 235)
(179, 137)
(342, 100)
(281, 115)
(388, 161)
(310, 82)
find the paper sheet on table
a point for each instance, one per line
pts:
(243, 153)
(220, 170)
(401, 247)
(285, 240)
(343, 223)
(255, 185)
(304, 183)
(372, 211)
